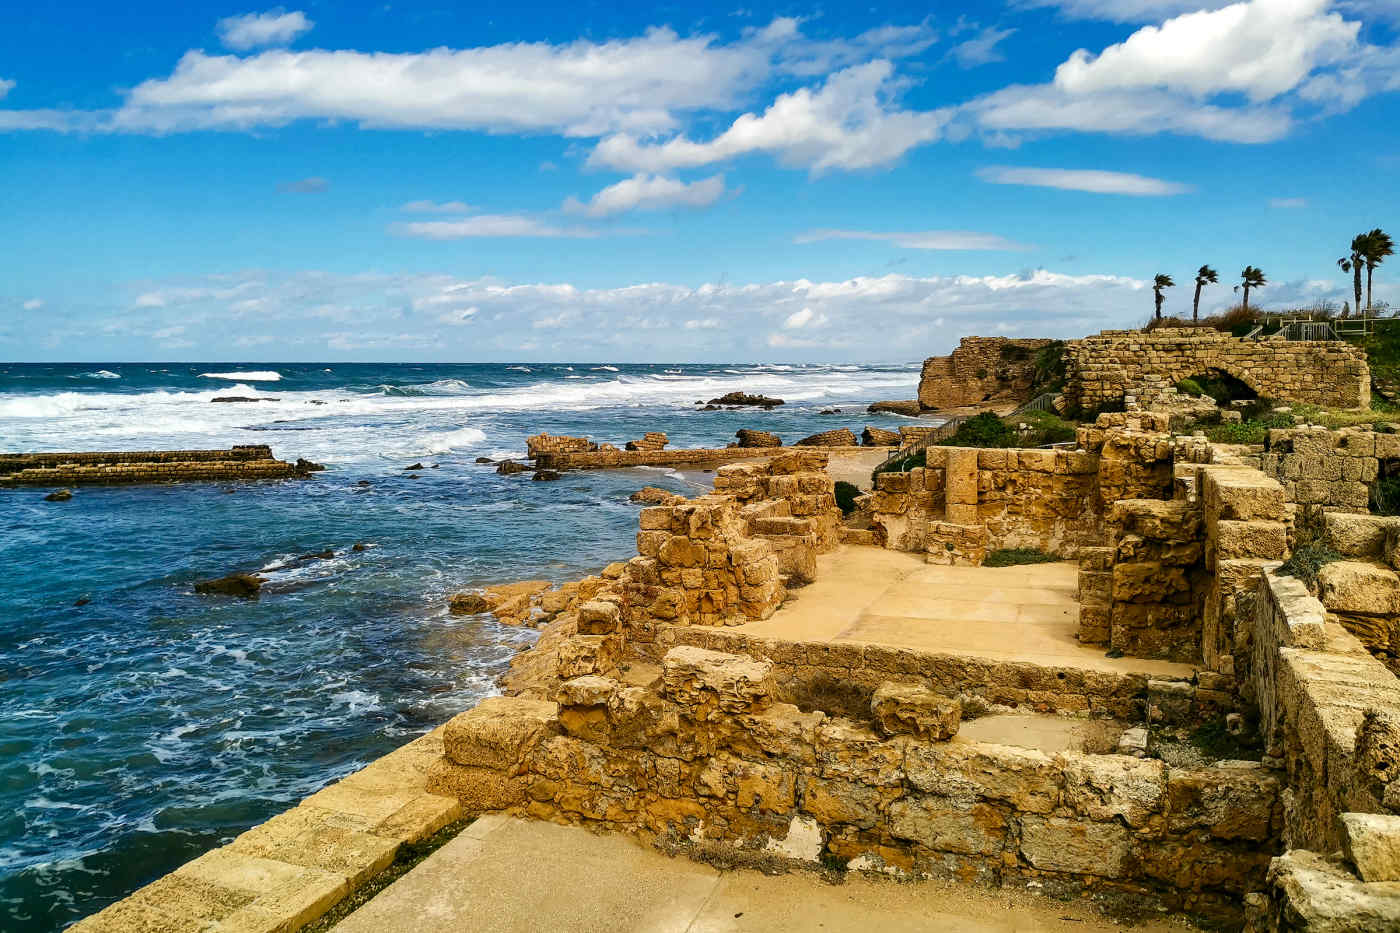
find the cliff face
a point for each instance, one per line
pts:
(981, 369)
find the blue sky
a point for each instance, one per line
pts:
(524, 181)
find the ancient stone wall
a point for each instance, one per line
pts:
(1330, 468)
(709, 753)
(610, 458)
(981, 369)
(246, 462)
(1106, 367)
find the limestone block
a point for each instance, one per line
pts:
(589, 690)
(478, 789)
(599, 618)
(949, 825)
(912, 709)
(1371, 842)
(588, 654)
(1233, 803)
(498, 732)
(1075, 846)
(1149, 582)
(1377, 748)
(1315, 893)
(1095, 587)
(1029, 781)
(845, 750)
(960, 476)
(1257, 539)
(835, 801)
(1107, 787)
(1356, 587)
(706, 681)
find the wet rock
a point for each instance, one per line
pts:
(830, 411)
(484, 460)
(246, 585)
(546, 475)
(59, 495)
(364, 482)
(879, 437)
(510, 467)
(81, 601)
(244, 398)
(751, 438)
(416, 466)
(358, 546)
(910, 408)
(652, 495)
(307, 466)
(743, 398)
(841, 437)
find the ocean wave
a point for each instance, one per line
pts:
(440, 387)
(101, 374)
(519, 369)
(259, 375)
(450, 440)
(604, 369)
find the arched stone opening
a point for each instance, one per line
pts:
(1219, 384)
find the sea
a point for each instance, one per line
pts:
(142, 724)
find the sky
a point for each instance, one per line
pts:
(636, 182)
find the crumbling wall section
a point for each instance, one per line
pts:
(981, 369)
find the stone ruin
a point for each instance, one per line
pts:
(641, 710)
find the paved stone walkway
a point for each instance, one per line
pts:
(874, 596)
(503, 875)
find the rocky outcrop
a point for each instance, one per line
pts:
(981, 369)
(751, 438)
(841, 437)
(247, 585)
(879, 437)
(652, 495)
(912, 408)
(541, 444)
(652, 440)
(743, 398)
(510, 468)
(107, 468)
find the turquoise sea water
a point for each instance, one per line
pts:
(151, 724)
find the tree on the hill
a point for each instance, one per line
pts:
(1204, 276)
(1160, 282)
(1375, 246)
(1353, 263)
(1250, 277)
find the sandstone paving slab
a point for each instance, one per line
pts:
(315, 838)
(503, 875)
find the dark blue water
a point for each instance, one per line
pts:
(151, 724)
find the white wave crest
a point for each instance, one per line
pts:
(450, 440)
(101, 374)
(258, 375)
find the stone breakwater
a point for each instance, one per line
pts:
(240, 462)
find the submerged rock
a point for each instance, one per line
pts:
(244, 398)
(743, 398)
(510, 467)
(416, 466)
(543, 475)
(246, 585)
(484, 460)
(59, 495)
(307, 466)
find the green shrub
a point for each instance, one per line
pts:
(1251, 431)
(910, 461)
(982, 430)
(1190, 387)
(1385, 496)
(1011, 557)
(1049, 373)
(846, 495)
(1307, 560)
(1014, 352)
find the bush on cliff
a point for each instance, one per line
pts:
(1049, 375)
(983, 430)
(910, 461)
(1190, 387)
(846, 495)
(1307, 561)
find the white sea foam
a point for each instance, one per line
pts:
(605, 369)
(259, 375)
(101, 374)
(451, 440)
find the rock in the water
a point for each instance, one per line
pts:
(59, 495)
(416, 466)
(510, 467)
(484, 460)
(358, 546)
(306, 466)
(652, 440)
(235, 584)
(879, 437)
(841, 437)
(364, 482)
(243, 398)
(910, 408)
(652, 495)
(544, 475)
(830, 411)
(743, 398)
(750, 438)
(81, 601)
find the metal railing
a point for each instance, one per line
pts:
(1045, 401)
(940, 433)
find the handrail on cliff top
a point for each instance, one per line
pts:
(1045, 401)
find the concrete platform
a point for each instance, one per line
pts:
(503, 875)
(866, 595)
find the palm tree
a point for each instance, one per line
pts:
(1375, 246)
(1204, 276)
(1353, 264)
(1250, 277)
(1160, 282)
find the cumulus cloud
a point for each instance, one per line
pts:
(313, 185)
(437, 207)
(256, 30)
(644, 192)
(486, 225)
(980, 49)
(1124, 11)
(847, 123)
(798, 320)
(926, 239)
(1099, 182)
(1261, 49)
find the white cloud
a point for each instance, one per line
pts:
(708, 323)
(33, 304)
(486, 225)
(648, 193)
(1261, 48)
(437, 207)
(1288, 202)
(926, 239)
(797, 55)
(981, 49)
(5, 87)
(256, 30)
(847, 123)
(1099, 182)
(1125, 11)
(798, 320)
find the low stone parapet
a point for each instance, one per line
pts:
(151, 466)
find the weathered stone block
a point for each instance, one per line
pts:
(1065, 845)
(1371, 842)
(1107, 787)
(706, 681)
(949, 825)
(1353, 586)
(911, 709)
(498, 732)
